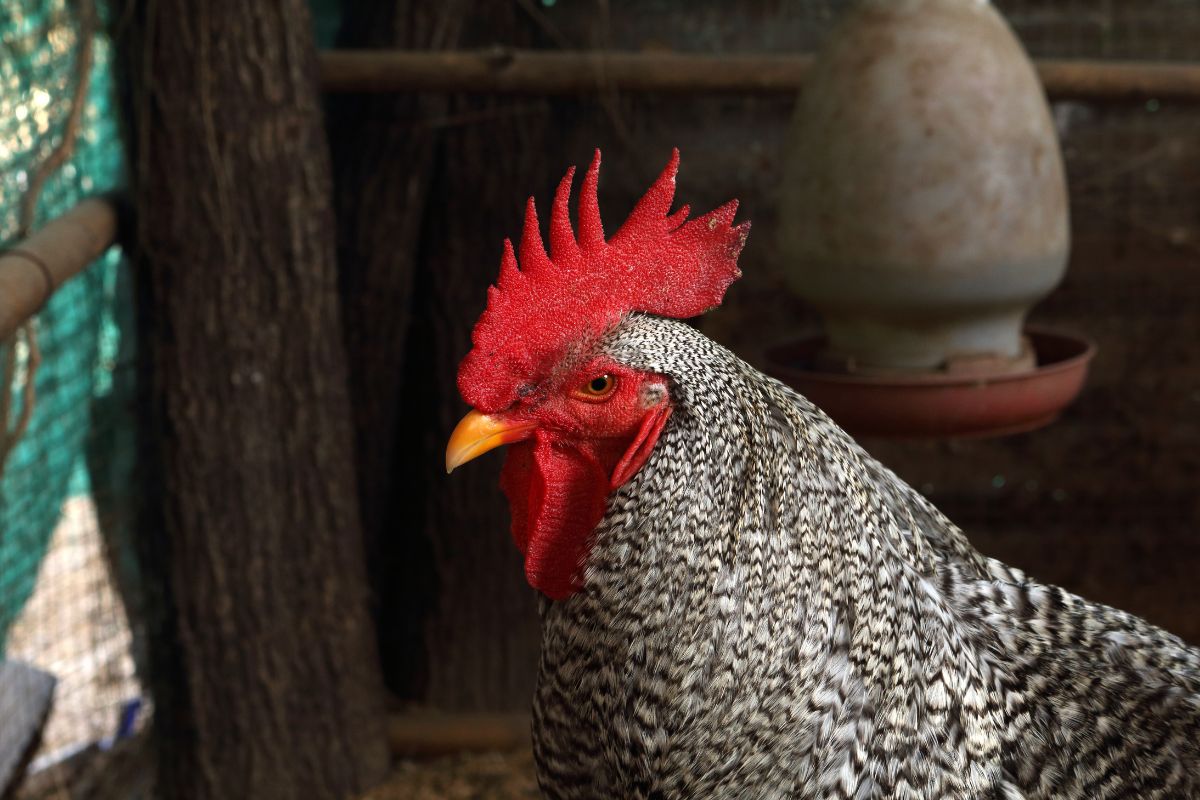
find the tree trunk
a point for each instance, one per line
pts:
(383, 152)
(263, 667)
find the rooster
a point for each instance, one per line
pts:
(739, 601)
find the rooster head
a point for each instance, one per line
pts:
(579, 423)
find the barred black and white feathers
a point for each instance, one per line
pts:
(770, 613)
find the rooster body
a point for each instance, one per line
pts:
(768, 612)
(741, 603)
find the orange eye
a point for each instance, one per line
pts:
(598, 388)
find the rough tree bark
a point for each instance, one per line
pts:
(383, 151)
(263, 666)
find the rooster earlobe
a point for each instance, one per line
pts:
(563, 247)
(591, 229)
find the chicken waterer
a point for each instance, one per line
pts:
(924, 205)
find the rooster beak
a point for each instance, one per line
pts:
(477, 433)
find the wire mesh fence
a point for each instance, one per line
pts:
(63, 405)
(74, 626)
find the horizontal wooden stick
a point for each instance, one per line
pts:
(1111, 81)
(507, 70)
(31, 270)
(432, 734)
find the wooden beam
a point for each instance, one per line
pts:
(1120, 81)
(430, 734)
(505, 70)
(31, 270)
(546, 72)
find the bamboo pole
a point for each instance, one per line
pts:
(31, 270)
(512, 71)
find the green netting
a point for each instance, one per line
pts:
(78, 331)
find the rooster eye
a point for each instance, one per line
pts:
(598, 388)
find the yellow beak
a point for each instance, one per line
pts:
(477, 433)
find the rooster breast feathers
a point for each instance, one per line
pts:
(766, 611)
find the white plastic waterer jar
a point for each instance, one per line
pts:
(924, 206)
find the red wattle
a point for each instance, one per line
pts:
(557, 495)
(557, 491)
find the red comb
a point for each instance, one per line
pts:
(657, 263)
